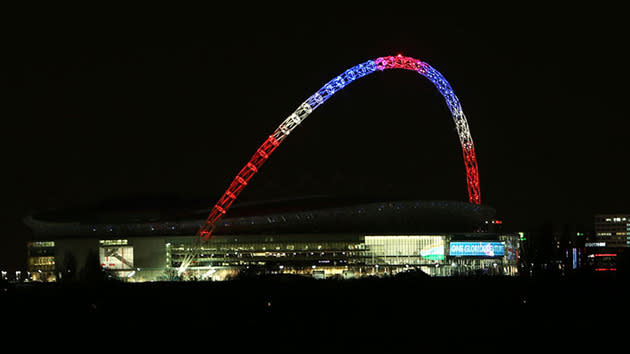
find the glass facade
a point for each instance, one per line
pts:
(400, 249)
(324, 256)
(320, 256)
(40, 260)
(116, 256)
(225, 256)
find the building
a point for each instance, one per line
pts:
(613, 229)
(319, 237)
(612, 240)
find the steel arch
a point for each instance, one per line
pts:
(307, 107)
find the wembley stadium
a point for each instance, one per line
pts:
(321, 237)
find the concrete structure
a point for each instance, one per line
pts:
(320, 237)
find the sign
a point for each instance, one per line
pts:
(477, 249)
(434, 253)
(595, 244)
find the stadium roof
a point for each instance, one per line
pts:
(171, 216)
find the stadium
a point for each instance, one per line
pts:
(322, 237)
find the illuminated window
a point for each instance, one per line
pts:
(404, 249)
(113, 242)
(114, 257)
(42, 244)
(41, 261)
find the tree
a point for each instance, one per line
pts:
(92, 270)
(69, 268)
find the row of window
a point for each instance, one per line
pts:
(41, 244)
(271, 254)
(41, 261)
(113, 242)
(616, 219)
(613, 234)
(225, 246)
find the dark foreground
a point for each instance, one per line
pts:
(416, 312)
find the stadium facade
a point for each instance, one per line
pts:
(318, 237)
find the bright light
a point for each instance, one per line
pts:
(209, 272)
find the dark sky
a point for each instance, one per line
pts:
(125, 103)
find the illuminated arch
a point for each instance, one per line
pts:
(329, 89)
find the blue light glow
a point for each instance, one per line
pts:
(477, 249)
(335, 85)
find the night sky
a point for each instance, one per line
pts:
(126, 104)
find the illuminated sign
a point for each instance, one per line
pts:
(478, 249)
(434, 253)
(595, 244)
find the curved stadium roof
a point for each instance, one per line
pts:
(148, 217)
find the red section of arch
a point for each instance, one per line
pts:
(238, 184)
